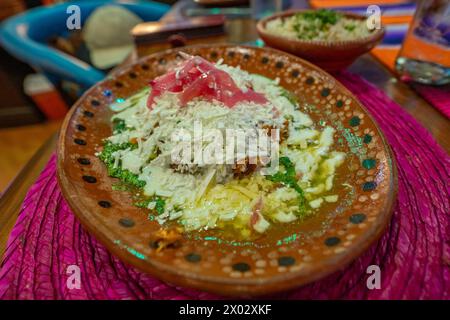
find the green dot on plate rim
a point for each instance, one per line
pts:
(367, 138)
(369, 186)
(355, 121)
(369, 163)
(357, 218)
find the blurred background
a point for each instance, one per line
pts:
(31, 105)
(47, 62)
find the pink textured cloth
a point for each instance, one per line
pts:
(438, 97)
(413, 254)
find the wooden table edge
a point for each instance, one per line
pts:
(11, 200)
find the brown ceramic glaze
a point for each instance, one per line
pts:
(329, 55)
(289, 255)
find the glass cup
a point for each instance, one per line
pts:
(264, 8)
(425, 54)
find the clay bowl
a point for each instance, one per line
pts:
(329, 55)
(289, 255)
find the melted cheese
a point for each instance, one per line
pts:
(208, 196)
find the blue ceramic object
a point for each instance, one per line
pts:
(24, 36)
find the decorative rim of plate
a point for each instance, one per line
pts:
(230, 286)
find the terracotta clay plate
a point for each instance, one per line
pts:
(289, 255)
(329, 55)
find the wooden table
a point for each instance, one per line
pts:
(366, 66)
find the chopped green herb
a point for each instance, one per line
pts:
(288, 178)
(120, 187)
(156, 152)
(117, 171)
(143, 203)
(126, 176)
(159, 206)
(323, 15)
(350, 27)
(308, 25)
(119, 125)
(289, 96)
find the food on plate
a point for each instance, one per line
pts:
(163, 136)
(319, 25)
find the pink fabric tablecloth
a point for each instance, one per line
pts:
(438, 97)
(413, 254)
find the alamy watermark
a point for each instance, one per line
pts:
(374, 279)
(74, 277)
(373, 14)
(201, 147)
(73, 21)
